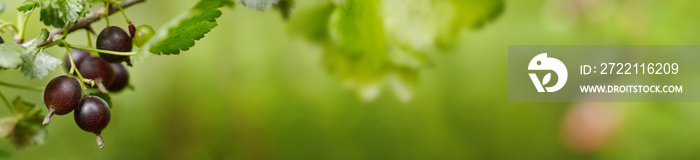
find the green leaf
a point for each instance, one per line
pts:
(27, 7)
(25, 109)
(43, 36)
(260, 5)
(11, 55)
(7, 125)
(371, 43)
(73, 10)
(36, 62)
(28, 132)
(359, 30)
(180, 33)
(25, 128)
(312, 22)
(58, 13)
(39, 66)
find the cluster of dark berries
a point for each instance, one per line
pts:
(64, 94)
(108, 77)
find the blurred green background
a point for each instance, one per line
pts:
(250, 90)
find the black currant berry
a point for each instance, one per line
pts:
(78, 57)
(121, 78)
(92, 115)
(116, 39)
(1, 41)
(61, 96)
(99, 70)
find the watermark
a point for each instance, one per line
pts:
(604, 73)
(542, 62)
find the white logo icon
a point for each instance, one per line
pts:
(542, 62)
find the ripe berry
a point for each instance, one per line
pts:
(143, 33)
(99, 70)
(78, 57)
(121, 78)
(93, 115)
(1, 41)
(116, 39)
(61, 96)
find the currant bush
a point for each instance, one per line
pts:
(71, 92)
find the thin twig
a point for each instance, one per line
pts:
(30, 88)
(84, 23)
(7, 103)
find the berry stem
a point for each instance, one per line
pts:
(22, 21)
(101, 86)
(100, 51)
(106, 13)
(47, 119)
(100, 141)
(73, 68)
(65, 34)
(122, 10)
(7, 103)
(85, 22)
(89, 41)
(11, 26)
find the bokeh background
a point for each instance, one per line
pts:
(252, 90)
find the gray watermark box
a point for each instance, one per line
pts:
(624, 73)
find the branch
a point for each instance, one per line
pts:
(84, 23)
